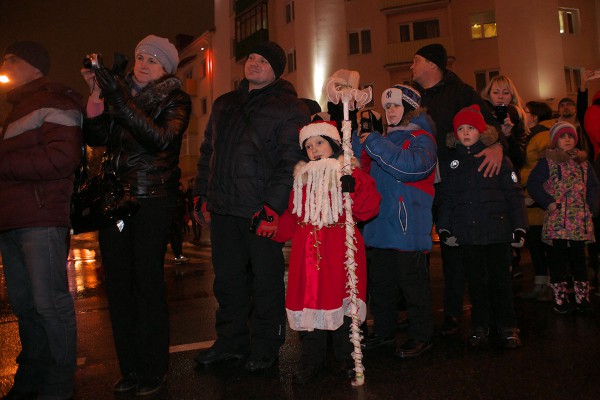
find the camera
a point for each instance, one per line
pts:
(501, 113)
(93, 61)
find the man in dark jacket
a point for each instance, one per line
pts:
(40, 149)
(243, 185)
(443, 94)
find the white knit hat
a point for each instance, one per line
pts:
(320, 128)
(399, 93)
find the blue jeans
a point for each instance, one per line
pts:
(36, 278)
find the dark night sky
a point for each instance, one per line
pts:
(70, 29)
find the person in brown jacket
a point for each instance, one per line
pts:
(40, 149)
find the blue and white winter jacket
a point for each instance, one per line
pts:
(403, 166)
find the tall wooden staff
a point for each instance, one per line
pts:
(343, 86)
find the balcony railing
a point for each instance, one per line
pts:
(401, 54)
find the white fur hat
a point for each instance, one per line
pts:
(320, 128)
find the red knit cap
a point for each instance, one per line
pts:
(469, 116)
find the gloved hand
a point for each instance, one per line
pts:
(265, 222)
(113, 90)
(447, 238)
(201, 214)
(348, 183)
(518, 238)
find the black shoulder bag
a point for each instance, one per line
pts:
(100, 201)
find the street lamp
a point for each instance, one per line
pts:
(4, 79)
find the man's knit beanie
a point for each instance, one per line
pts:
(34, 53)
(274, 55)
(436, 53)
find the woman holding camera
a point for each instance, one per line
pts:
(506, 105)
(140, 119)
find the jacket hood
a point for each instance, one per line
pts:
(489, 137)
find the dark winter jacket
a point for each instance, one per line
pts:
(144, 139)
(403, 166)
(39, 155)
(234, 176)
(478, 210)
(443, 101)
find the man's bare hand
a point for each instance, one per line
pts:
(493, 160)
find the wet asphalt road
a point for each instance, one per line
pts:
(560, 357)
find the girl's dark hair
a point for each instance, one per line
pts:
(337, 149)
(540, 110)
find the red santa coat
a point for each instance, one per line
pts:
(317, 297)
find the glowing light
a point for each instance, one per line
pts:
(4, 79)
(318, 79)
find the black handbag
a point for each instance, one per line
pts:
(100, 201)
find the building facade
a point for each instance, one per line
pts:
(542, 45)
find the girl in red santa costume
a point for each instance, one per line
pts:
(317, 298)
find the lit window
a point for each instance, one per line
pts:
(359, 42)
(289, 12)
(483, 25)
(568, 20)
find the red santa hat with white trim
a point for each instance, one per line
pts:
(326, 129)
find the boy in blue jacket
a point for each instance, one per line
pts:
(483, 216)
(403, 165)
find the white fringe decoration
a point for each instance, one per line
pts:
(323, 204)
